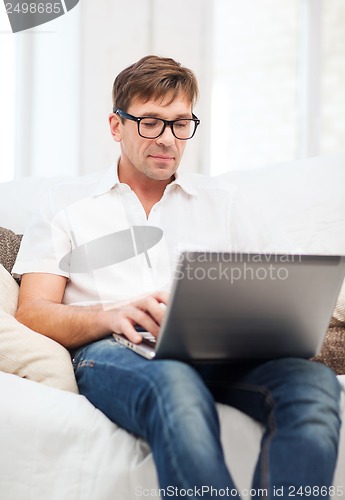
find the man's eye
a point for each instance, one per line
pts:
(182, 124)
(150, 123)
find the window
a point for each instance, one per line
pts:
(254, 96)
(279, 75)
(332, 129)
(7, 102)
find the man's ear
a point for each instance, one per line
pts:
(115, 125)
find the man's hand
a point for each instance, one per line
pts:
(147, 312)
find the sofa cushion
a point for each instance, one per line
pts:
(26, 353)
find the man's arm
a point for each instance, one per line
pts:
(40, 309)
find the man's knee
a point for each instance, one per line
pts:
(177, 389)
(177, 380)
(178, 403)
(305, 376)
(306, 396)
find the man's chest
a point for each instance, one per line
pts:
(120, 219)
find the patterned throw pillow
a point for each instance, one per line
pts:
(9, 246)
(332, 351)
(339, 311)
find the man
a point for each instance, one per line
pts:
(80, 301)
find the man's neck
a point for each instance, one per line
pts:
(149, 191)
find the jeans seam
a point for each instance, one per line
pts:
(165, 433)
(272, 427)
(271, 424)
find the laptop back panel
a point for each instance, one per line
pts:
(227, 306)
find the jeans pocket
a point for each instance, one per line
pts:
(81, 357)
(87, 355)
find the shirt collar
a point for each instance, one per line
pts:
(110, 179)
(185, 182)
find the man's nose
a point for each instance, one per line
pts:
(167, 138)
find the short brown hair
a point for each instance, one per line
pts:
(153, 77)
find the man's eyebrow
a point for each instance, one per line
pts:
(177, 117)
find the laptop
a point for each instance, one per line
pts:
(231, 307)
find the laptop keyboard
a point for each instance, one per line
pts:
(148, 338)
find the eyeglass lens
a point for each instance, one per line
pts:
(153, 127)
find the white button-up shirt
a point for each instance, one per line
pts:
(87, 231)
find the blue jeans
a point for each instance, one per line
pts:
(172, 406)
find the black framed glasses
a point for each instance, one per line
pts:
(150, 127)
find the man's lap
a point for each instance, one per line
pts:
(252, 388)
(125, 385)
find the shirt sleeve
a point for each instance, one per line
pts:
(45, 242)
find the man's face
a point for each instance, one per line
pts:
(159, 158)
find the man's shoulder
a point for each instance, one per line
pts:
(208, 186)
(71, 190)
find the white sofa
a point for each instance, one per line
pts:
(55, 445)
